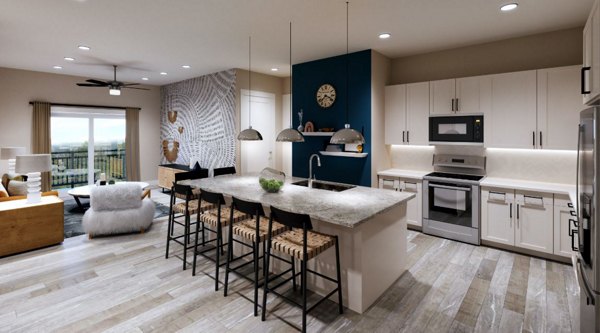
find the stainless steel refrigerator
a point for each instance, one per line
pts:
(586, 237)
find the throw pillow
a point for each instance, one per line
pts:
(3, 192)
(16, 187)
(196, 167)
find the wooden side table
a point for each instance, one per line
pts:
(166, 174)
(26, 227)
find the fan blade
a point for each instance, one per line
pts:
(135, 88)
(130, 84)
(89, 85)
(98, 82)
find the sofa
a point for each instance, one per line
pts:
(117, 209)
(14, 187)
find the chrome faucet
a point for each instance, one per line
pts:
(310, 160)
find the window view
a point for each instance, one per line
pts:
(86, 144)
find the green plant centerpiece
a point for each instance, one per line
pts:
(271, 180)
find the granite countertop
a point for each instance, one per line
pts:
(348, 208)
(403, 173)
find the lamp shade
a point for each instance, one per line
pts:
(290, 135)
(347, 136)
(33, 163)
(7, 153)
(249, 134)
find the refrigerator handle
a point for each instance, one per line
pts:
(583, 284)
(577, 173)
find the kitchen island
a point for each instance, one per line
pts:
(370, 224)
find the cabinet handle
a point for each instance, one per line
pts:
(575, 226)
(541, 141)
(452, 105)
(403, 136)
(408, 136)
(533, 138)
(583, 88)
(573, 213)
(510, 212)
(569, 204)
(517, 215)
(457, 106)
(575, 249)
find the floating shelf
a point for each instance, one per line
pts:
(317, 133)
(344, 154)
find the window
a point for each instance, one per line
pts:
(87, 142)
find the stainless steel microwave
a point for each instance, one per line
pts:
(456, 130)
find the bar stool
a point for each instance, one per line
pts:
(216, 218)
(303, 244)
(253, 230)
(189, 175)
(224, 171)
(186, 209)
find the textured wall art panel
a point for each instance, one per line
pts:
(198, 121)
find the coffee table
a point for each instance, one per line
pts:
(84, 191)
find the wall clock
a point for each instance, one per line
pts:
(326, 95)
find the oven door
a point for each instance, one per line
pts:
(462, 129)
(450, 203)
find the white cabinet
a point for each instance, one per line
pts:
(558, 106)
(407, 114)
(534, 221)
(464, 95)
(497, 223)
(511, 121)
(395, 114)
(563, 226)
(518, 218)
(414, 207)
(591, 56)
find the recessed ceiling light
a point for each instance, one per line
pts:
(57, 67)
(186, 66)
(509, 6)
(144, 79)
(84, 48)
(69, 59)
(163, 73)
(274, 69)
(385, 35)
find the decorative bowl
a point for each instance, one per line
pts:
(271, 180)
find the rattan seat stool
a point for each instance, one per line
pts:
(304, 244)
(216, 219)
(186, 209)
(253, 230)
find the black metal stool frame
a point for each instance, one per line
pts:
(298, 221)
(187, 190)
(256, 211)
(181, 176)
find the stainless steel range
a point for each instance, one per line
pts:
(451, 197)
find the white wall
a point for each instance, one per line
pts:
(552, 166)
(19, 87)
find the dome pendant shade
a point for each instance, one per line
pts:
(249, 134)
(347, 136)
(290, 135)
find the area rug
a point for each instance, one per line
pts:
(74, 215)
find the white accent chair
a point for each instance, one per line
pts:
(118, 209)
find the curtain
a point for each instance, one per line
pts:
(40, 142)
(132, 144)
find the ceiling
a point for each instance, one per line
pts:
(146, 37)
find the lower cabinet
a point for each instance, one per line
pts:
(563, 225)
(521, 219)
(414, 207)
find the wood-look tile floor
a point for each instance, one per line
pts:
(125, 284)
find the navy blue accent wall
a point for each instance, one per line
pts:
(307, 78)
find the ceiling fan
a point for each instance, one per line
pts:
(114, 85)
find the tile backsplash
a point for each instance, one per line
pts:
(555, 166)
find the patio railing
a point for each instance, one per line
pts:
(70, 168)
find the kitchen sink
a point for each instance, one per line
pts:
(322, 185)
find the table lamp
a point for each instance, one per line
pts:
(33, 166)
(10, 153)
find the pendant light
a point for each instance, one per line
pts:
(347, 135)
(290, 134)
(249, 134)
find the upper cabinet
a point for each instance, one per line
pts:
(407, 114)
(558, 106)
(511, 119)
(590, 73)
(454, 96)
